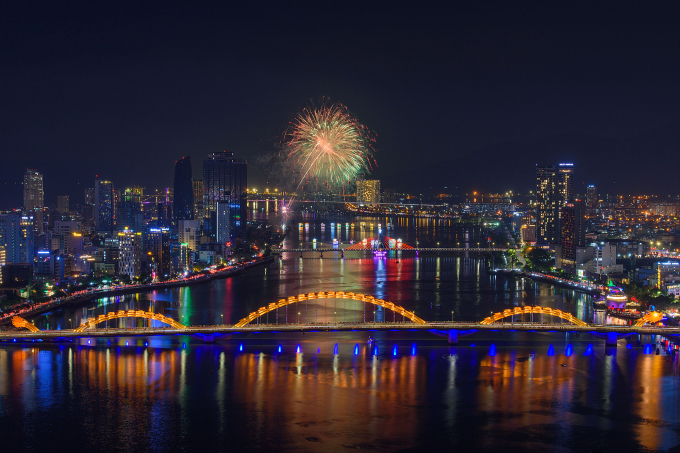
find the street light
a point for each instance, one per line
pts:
(222, 319)
(451, 316)
(70, 323)
(374, 317)
(298, 321)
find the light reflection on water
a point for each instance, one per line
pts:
(507, 392)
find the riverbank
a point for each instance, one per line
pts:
(592, 289)
(42, 307)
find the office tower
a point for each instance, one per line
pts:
(573, 230)
(389, 196)
(88, 218)
(103, 206)
(33, 190)
(3, 261)
(222, 222)
(546, 205)
(63, 205)
(130, 253)
(565, 183)
(198, 199)
(157, 250)
(16, 236)
(188, 233)
(368, 192)
(591, 196)
(183, 202)
(89, 196)
(226, 179)
(129, 211)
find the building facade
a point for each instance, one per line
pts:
(16, 237)
(226, 179)
(183, 201)
(103, 206)
(368, 192)
(33, 190)
(572, 230)
(130, 253)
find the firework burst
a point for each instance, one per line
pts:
(329, 147)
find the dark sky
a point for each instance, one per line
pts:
(123, 90)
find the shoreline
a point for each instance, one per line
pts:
(547, 279)
(81, 299)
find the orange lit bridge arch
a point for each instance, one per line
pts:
(330, 295)
(19, 322)
(129, 314)
(537, 310)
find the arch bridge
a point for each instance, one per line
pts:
(533, 310)
(128, 314)
(330, 295)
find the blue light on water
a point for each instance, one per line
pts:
(240, 347)
(184, 345)
(108, 343)
(492, 350)
(375, 350)
(335, 349)
(589, 350)
(394, 350)
(88, 341)
(569, 351)
(472, 345)
(551, 350)
(298, 349)
(127, 343)
(279, 348)
(14, 340)
(629, 346)
(356, 349)
(318, 351)
(146, 343)
(413, 349)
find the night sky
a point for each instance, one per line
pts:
(123, 90)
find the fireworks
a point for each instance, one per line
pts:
(329, 147)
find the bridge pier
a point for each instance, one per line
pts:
(342, 254)
(321, 254)
(453, 336)
(611, 339)
(300, 253)
(208, 338)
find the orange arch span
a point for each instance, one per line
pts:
(129, 314)
(538, 310)
(19, 322)
(330, 295)
(654, 316)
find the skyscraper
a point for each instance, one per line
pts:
(573, 230)
(33, 190)
(368, 192)
(103, 206)
(565, 183)
(591, 196)
(222, 222)
(130, 253)
(183, 203)
(198, 199)
(16, 236)
(226, 179)
(546, 205)
(63, 205)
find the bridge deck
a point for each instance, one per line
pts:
(444, 326)
(414, 249)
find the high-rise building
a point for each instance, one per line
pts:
(183, 202)
(89, 196)
(188, 233)
(103, 206)
(33, 190)
(222, 222)
(368, 192)
(565, 183)
(129, 211)
(546, 205)
(130, 253)
(389, 196)
(16, 236)
(157, 249)
(591, 196)
(63, 205)
(198, 199)
(226, 179)
(573, 230)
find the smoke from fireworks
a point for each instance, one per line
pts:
(329, 147)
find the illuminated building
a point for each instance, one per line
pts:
(573, 230)
(16, 236)
(198, 199)
(664, 209)
(33, 190)
(546, 204)
(389, 196)
(181, 256)
(188, 233)
(157, 251)
(63, 205)
(183, 201)
(74, 244)
(3, 261)
(591, 196)
(49, 264)
(528, 233)
(368, 192)
(226, 179)
(130, 253)
(565, 183)
(129, 211)
(103, 206)
(89, 196)
(222, 224)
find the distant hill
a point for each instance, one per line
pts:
(645, 163)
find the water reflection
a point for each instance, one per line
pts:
(280, 393)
